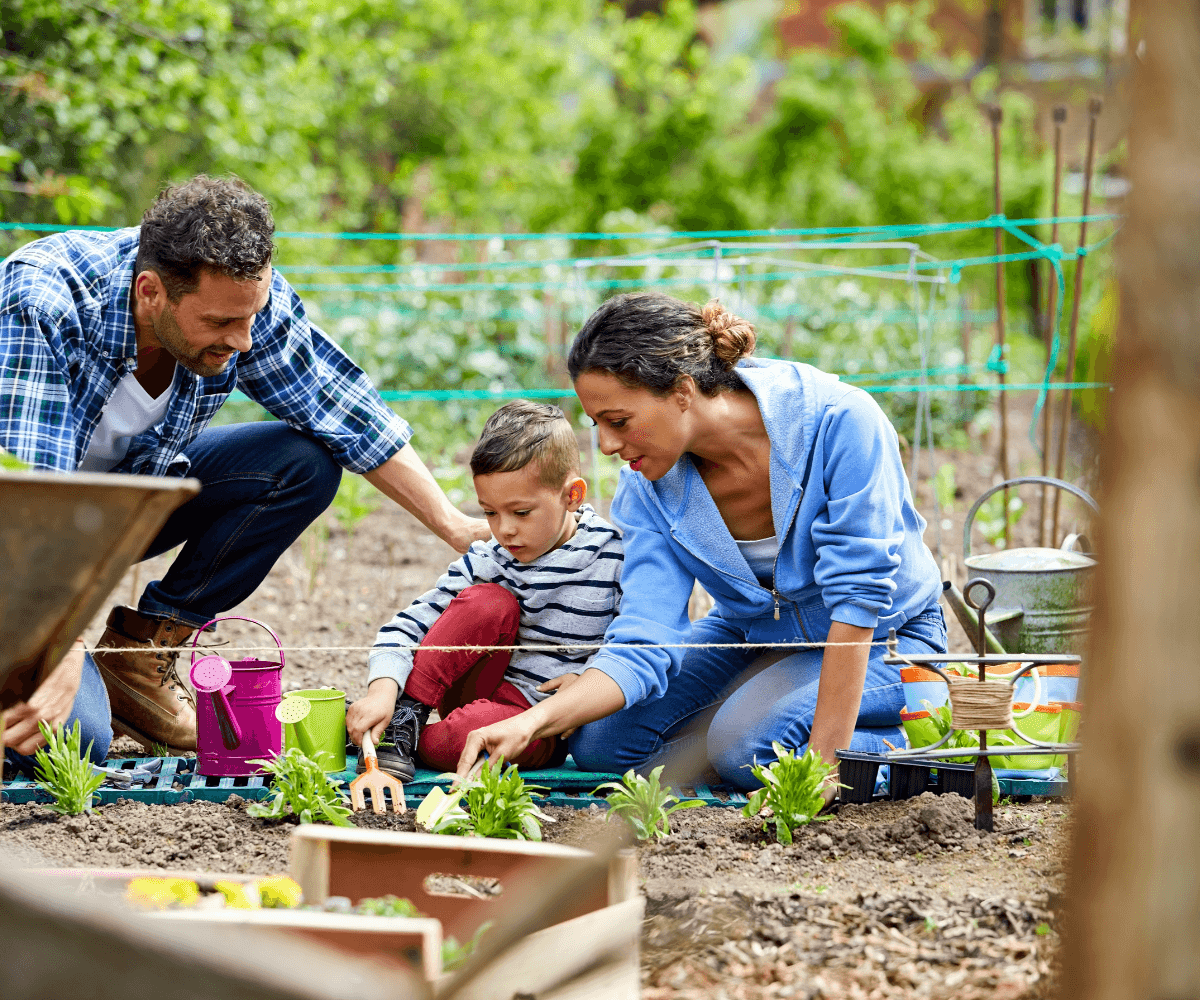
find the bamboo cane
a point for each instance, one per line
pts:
(1060, 116)
(1064, 423)
(996, 116)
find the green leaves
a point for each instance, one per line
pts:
(644, 803)
(302, 789)
(791, 791)
(65, 772)
(498, 804)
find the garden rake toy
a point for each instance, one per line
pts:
(376, 782)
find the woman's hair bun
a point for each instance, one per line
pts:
(733, 337)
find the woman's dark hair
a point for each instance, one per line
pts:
(649, 340)
(215, 223)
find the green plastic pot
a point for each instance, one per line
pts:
(919, 729)
(325, 727)
(1043, 724)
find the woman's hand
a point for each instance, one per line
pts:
(507, 738)
(558, 683)
(51, 703)
(373, 712)
(591, 695)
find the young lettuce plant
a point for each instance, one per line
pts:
(644, 803)
(498, 804)
(791, 790)
(302, 788)
(66, 773)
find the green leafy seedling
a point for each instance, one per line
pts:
(945, 488)
(455, 955)
(497, 804)
(303, 789)
(644, 803)
(10, 462)
(354, 500)
(791, 790)
(66, 773)
(387, 906)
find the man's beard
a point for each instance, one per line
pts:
(171, 337)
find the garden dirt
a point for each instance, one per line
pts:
(882, 900)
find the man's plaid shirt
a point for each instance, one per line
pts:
(67, 337)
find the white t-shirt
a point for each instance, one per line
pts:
(129, 411)
(760, 555)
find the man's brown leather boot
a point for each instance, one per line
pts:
(149, 701)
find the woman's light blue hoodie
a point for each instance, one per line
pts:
(849, 534)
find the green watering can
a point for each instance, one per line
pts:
(314, 720)
(1043, 595)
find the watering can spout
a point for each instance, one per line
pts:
(968, 619)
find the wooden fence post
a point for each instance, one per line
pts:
(1135, 874)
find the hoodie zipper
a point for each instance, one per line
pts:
(775, 570)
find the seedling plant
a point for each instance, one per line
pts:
(303, 789)
(66, 773)
(644, 803)
(791, 791)
(498, 804)
(354, 500)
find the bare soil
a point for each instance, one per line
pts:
(882, 900)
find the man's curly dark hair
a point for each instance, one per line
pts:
(218, 223)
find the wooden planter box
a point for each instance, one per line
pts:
(594, 952)
(336, 861)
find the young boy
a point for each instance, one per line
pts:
(550, 575)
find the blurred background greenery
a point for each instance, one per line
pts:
(565, 116)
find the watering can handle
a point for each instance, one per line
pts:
(1043, 480)
(237, 618)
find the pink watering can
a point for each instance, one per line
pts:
(235, 709)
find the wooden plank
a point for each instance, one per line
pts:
(567, 953)
(330, 861)
(407, 942)
(1134, 883)
(60, 943)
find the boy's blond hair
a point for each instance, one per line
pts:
(521, 432)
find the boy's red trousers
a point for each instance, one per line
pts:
(468, 687)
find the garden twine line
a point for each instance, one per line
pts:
(483, 649)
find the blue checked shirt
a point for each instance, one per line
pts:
(67, 337)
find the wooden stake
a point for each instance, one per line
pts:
(996, 116)
(1060, 116)
(1135, 870)
(1064, 420)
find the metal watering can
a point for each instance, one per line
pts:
(1043, 595)
(235, 709)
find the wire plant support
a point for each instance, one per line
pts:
(979, 704)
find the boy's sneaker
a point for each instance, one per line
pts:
(397, 751)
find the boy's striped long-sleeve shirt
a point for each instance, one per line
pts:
(568, 596)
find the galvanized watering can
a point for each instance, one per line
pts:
(1043, 595)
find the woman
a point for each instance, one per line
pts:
(782, 492)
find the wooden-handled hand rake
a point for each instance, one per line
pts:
(376, 782)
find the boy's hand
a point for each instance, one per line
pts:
(558, 683)
(373, 712)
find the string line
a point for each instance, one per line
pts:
(895, 230)
(487, 649)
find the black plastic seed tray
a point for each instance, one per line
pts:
(858, 772)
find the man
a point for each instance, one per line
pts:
(116, 349)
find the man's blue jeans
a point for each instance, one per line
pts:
(717, 698)
(263, 484)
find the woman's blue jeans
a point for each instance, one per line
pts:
(720, 698)
(263, 484)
